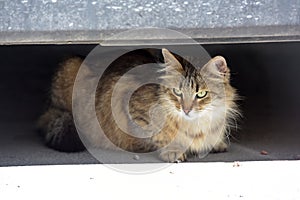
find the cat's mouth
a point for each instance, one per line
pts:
(188, 115)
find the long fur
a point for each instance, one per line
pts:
(205, 128)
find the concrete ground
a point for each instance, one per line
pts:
(250, 180)
(266, 75)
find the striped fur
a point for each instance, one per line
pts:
(185, 122)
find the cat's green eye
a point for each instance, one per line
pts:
(177, 92)
(201, 94)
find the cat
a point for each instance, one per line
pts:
(198, 103)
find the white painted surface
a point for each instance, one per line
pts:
(249, 180)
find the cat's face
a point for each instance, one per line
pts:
(191, 91)
(190, 96)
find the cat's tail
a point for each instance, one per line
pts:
(59, 132)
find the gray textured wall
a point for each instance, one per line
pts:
(62, 21)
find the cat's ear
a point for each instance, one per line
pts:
(217, 66)
(171, 63)
(220, 64)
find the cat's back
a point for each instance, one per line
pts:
(63, 82)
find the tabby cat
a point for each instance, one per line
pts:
(198, 104)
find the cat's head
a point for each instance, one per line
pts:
(194, 90)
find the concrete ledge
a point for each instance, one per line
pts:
(243, 180)
(203, 36)
(83, 22)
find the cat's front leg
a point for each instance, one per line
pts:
(220, 147)
(172, 155)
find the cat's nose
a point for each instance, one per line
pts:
(186, 111)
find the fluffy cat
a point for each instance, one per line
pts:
(198, 106)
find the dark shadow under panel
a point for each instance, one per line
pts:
(266, 75)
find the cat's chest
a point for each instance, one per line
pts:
(192, 127)
(192, 136)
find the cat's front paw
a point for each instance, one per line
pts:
(172, 156)
(220, 147)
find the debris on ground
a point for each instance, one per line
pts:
(136, 157)
(236, 164)
(263, 152)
